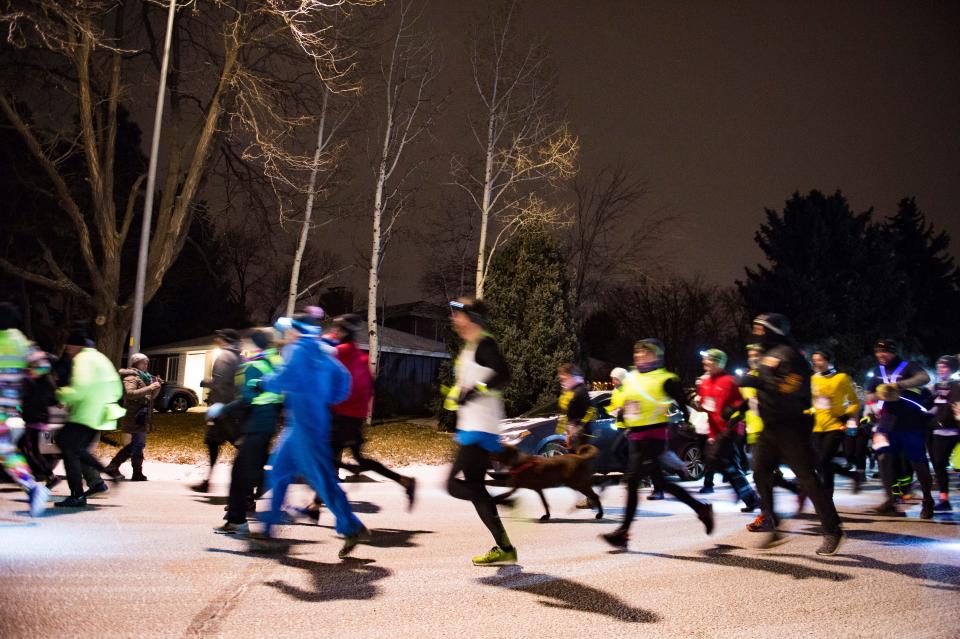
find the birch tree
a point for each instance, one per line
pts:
(90, 58)
(406, 74)
(524, 145)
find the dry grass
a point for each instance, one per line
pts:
(178, 438)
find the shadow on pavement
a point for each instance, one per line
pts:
(563, 594)
(945, 574)
(393, 538)
(212, 500)
(721, 555)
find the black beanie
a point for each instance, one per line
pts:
(77, 338)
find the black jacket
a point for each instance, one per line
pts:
(783, 388)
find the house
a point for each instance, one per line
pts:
(406, 382)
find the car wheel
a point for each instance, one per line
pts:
(693, 458)
(552, 449)
(179, 403)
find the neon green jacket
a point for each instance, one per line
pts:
(94, 390)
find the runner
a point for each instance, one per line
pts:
(481, 374)
(262, 416)
(946, 433)
(719, 397)
(576, 410)
(834, 403)
(223, 390)
(19, 360)
(646, 398)
(783, 398)
(312, 381)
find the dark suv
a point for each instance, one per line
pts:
(535, 433)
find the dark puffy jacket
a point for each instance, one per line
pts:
(783, 388)
(222, 382)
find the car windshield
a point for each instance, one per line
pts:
(545, 410)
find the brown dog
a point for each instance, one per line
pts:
(538, 473)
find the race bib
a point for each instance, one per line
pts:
(631, 410)
(940, 400)
(754, 405)
(880, 440)
(709, 404)
(822, 402)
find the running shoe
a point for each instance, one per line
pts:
(229, 528)
(411, 489)
(618, 538)
(773, 539)
(707, 490)
(706, 516)
(943, 506)
(583, 504)
(72, 502)
(760, 524)
(96, 490)
(656, 495)
(497, 556)
(888, 507)
(53, 482)
(38, 499)
(351, 541)
(926, 511)
(831, 543)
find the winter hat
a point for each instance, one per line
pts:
(951, 362)
(774, 322)
(717, 356)
(618, 374)
(475, 309)
(135, 359)
(229, 335)
(262, 339)
(77, 338)
(885, 345)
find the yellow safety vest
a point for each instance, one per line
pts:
(753, 421)
(563, 401)
(642, 398)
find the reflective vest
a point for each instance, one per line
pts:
(266, 366)
(643, 399)
(562, 402)
(752, 419)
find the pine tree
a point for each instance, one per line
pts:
(528, 293)
(933, 280)
(830, 272)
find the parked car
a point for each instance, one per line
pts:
(535, 433)
(175, 398)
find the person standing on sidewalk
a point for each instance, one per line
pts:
(92, 403)
(481, 375)
(783, 398)
(19, 361)
(262, 416)
(223, 390)
(646, 398)
(140, 388)
(834, 403)
(719, 397)
(312, 381)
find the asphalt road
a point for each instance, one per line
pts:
(144, 562)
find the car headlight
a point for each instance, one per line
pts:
(515, 438)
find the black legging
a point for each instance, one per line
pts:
(473, 462)
(74, 441)
(941, 446)
(855, 449)
(891, 467)
(723, 456)
(826, 446)
(30, 446)
(643, 461)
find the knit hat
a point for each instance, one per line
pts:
(717, 356)
(229, 335)
(618, 374)
(135, 359)
(262, 339)
(774, 322)
(885, 345)
(950, 361)
(77, 338)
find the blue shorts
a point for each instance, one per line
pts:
(910, 443)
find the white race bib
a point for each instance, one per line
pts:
(822, 402)
(709, 404)
(754, 405)
(631, 410)
(880, 440)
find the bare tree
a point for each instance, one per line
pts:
(523, 144)
(93, 54)
(447, 240)
(408, 113)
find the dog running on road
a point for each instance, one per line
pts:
(539, 473)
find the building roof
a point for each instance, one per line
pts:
(391, 341)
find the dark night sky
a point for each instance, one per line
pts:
(727, 108)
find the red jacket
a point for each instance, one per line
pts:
(716, 394)
(361, 382)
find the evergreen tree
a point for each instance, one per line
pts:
(830, 272)
(933, 280)
(529, 298)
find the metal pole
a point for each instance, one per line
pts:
(151, 185)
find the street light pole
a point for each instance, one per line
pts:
(151, 184)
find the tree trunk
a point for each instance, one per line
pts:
(373, 281)
(485, 213)
(305, 231)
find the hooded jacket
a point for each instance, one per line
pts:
(94, 390)
(356, 362)
(138, 400)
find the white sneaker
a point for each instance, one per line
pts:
(233, 529)
(39, 495)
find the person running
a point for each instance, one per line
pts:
(645, 400)
(783, 399)
(19, 360)
(907, 376)
(576, 410)
(834, 403)
(350, 415)
(261, 411)
(481, 375)
(312, 381)
(140, 388)
(223, 390)
(92, 403)
(719, 397)
(901, 430)
(946, 430)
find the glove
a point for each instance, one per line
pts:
(215, 411)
